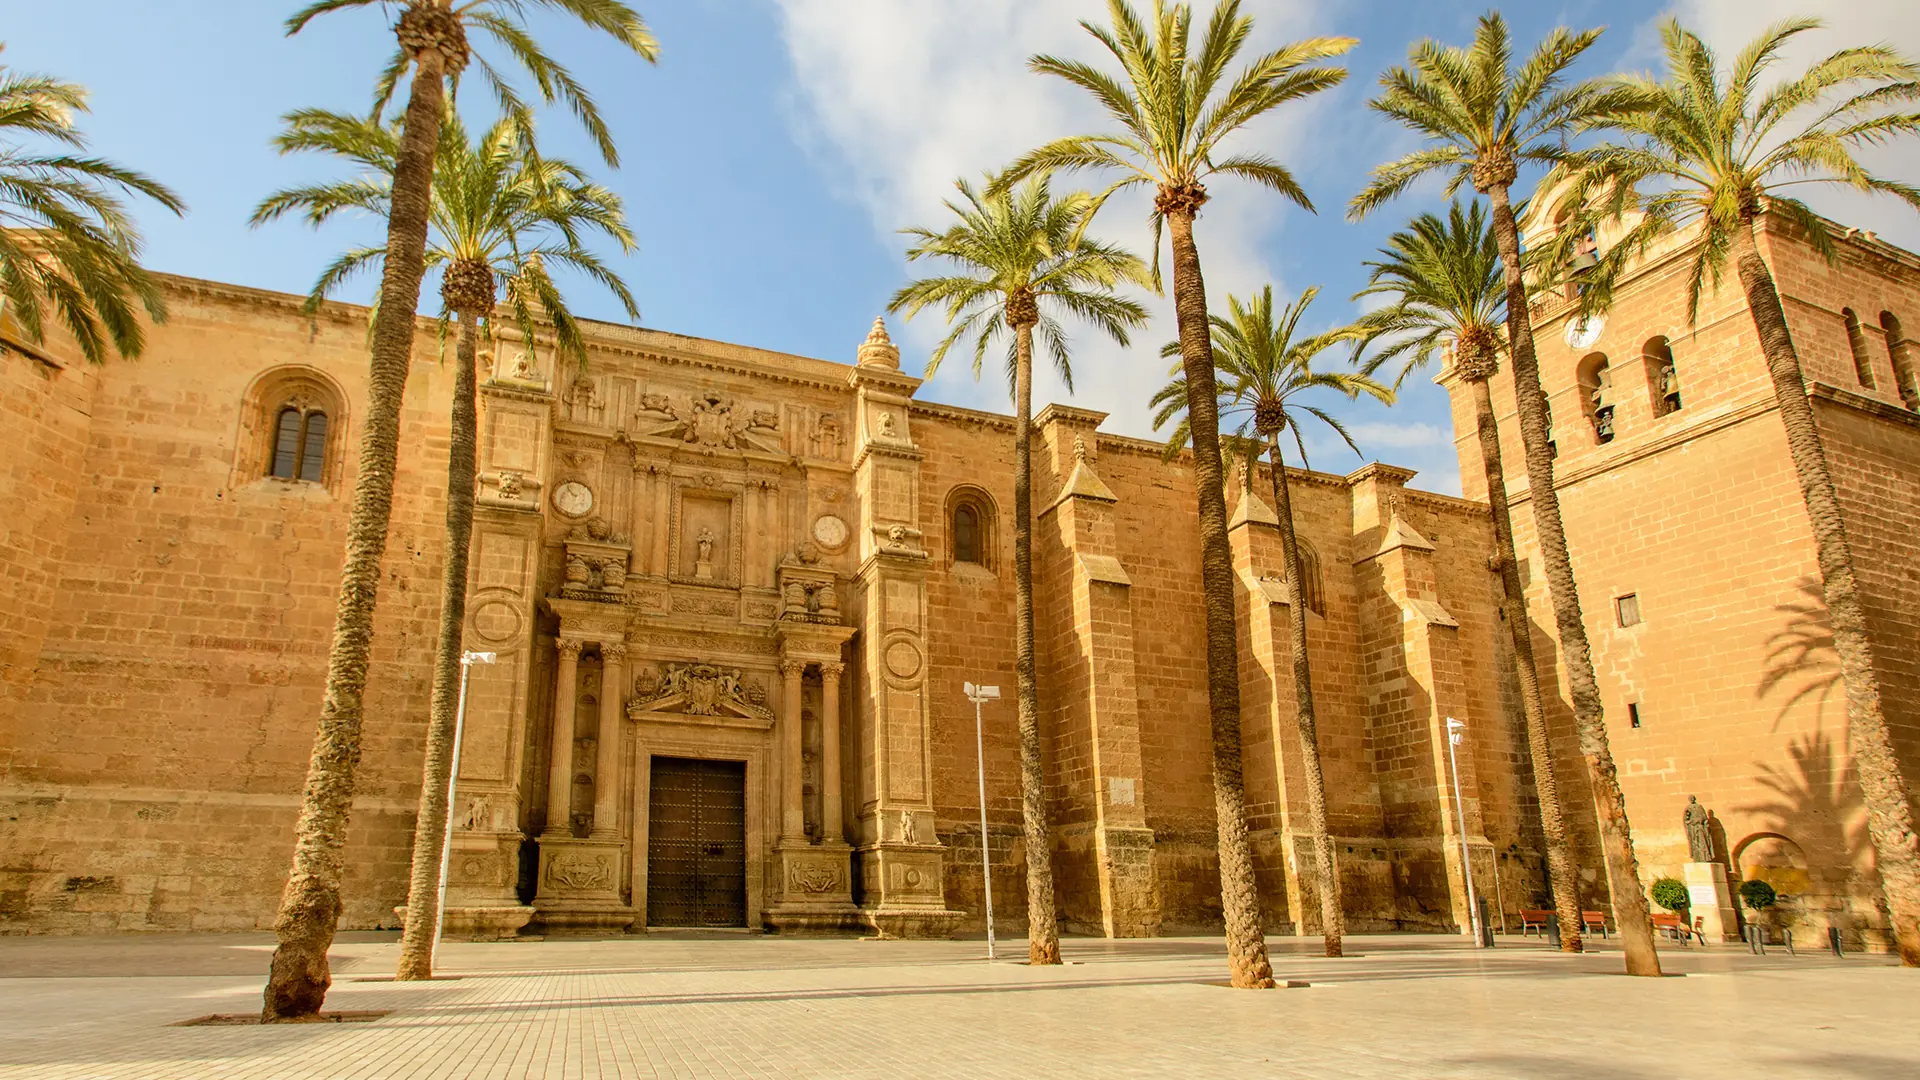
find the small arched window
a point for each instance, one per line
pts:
(300, 444)
(1663, 378)
(1857, 345)
(1596, 386)
(1902, 353)
(970, 528)
(1311, 589)
(966, 533)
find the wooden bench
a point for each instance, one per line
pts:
(1674, 927)
(1532, 919)
(1594, 922)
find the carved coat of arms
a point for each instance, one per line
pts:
(699, 690)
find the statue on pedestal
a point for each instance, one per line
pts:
(703, 560)
(1699, 832)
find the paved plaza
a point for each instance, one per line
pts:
(751, 1006)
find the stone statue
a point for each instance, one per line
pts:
(1699, 835)
(703, 557)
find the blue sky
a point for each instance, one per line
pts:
(771, 155)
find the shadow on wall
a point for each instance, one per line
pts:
(1811, 843)
(1800, 655)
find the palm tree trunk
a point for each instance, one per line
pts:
(1889, 801)
(1332, 917)
(1043, 928)
(1239, 895)
(1589, 716)
(310, 907)
(1546, 786)
(430, 823)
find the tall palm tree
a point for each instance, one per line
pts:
(1265, 367)
(500, 215)
(1019, 257)
(1710, 148)
(66, 241)
(433, 50)
(1172, 109)
(1483, 116)
(1449, 300)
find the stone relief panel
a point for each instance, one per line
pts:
(499, 620)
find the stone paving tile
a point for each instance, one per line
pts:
(765, 1007)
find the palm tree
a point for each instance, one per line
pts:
(1710, 148)
(66, 241)
(1448, 299)
(1173, 109)
(1482, 117)
(1020, 256)
(1264, 370)
(433, 49)
(500, 215)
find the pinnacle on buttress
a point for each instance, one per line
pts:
(879, 350)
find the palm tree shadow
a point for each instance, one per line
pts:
(1815, 802)
(1801, 655)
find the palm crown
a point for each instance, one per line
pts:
(1444, 278)
(497, 207)
(1483, 116)
(1265, 367)
(1710, 145)
(1020, 255)
(66, 240)
(443, 24)
(1174, 107)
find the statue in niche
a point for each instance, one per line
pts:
(1699, 831)
(703, 555)
(907, 833)
(826, 436)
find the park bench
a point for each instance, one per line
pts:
(1594, 922)
(1534, 919)
(1674, 927)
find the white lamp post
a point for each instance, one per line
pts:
(1454, 728)
(979, 695)
(467, 660)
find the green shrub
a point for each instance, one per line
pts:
(1671, 893)
(1757, 894)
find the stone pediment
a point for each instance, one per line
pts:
(703, 690)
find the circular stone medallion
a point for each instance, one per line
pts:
(573, 498)
(829, 531)
(903, 660)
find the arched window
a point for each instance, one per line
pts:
(1311, 589)
(1901, 352)
(1596, 386)
(970, 528)
(300, 444)
(966, 533)
(1857, 344)
(1663, 378)
(290, 422)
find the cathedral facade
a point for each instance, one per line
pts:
(732, 596)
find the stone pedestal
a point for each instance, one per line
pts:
(1712, 900)
(580, 886)
(813, 892)
(906, 897)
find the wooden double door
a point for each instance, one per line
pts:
(697, 843)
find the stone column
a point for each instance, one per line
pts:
(792, 809)
(832, 823)
(560, 764)
(606, 773)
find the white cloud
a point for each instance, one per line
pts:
(901, 97)
(1728, 25)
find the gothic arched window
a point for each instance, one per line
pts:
(970, 528)
(1857, 345)
(966, 533)
(300, 444)
(1311, 589)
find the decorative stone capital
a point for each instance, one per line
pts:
(570, 648)
(792, 669)
(832, 672)
(613, 652)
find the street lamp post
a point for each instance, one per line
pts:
(467, 660)
(1454, 728)
(979, 695)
